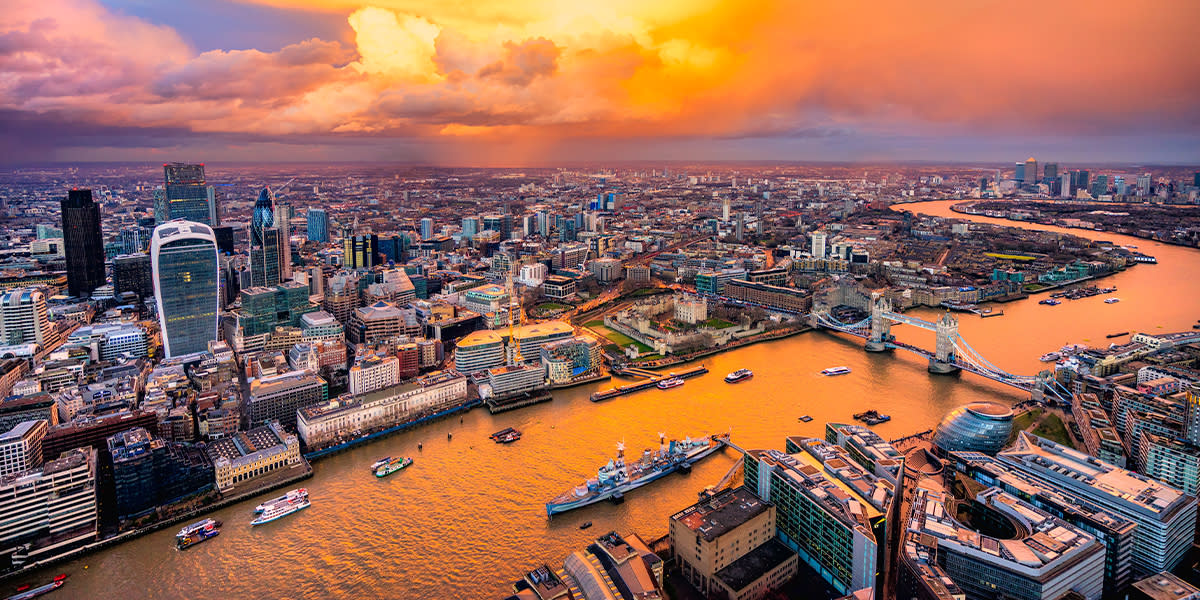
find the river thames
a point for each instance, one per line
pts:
(467, 518)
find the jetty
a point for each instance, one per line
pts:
(645, 384)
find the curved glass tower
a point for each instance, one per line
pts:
(976, 427)
(264, 242)
(184, 259)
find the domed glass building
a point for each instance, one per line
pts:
(976, 427)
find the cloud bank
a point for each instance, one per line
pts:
(517, 79)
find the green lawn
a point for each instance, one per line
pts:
(715, 323)
(617, 337)
(596, 323)
(1033, 287)
(1053, 429)
(1009, 256)
(1022, 422)
(550, 307)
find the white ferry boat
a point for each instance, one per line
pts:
(836, 371)
(1111, 300)
(292, 496)
(1050, 357)
(667, 384)
(278, 510)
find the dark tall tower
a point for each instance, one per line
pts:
(83, 243)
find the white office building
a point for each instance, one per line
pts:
(21, 447)
(49, 510)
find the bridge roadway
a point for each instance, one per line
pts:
(964, 357)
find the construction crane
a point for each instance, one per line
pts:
(514, 304)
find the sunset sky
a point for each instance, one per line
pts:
(461, 82)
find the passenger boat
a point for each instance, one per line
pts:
(805, 418)
(291, 496)
(392, 466)
(667, 384)
(1050, 357)
(379, 463)
(197, 532)
(281, 509)
(619, 476)
(58, 582)
(836, 371)
(739, 375)
(1050, 302)
(1111, 300)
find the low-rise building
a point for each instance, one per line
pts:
(348, 416)
(48, 510)
(479, 350)
(772, 297)
(373, 372)
(276, 398)
(248, 455)
(558, 287)
(725, 546)
(511, 380)
(1039, 556)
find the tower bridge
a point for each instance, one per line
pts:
(951, 351)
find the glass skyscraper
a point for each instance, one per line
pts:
(184, 259)
(186, 196)
(318, 225)
(83, 244)
(264, 242)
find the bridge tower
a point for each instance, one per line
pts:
(943, 359)
(881, 326)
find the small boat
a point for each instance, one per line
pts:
(667, 384)
(1050, 302)
(496, 437)
(836, 371)
(1111, 300)
(1050, 357)
(510, 438)
(292, 496)
(279, 510)
(380, 462)
(392, 466)
(26, 593)
(805, 418)
(872, 417)
(1116, 335)
(197, 532)
(585, 525)
(739, 375)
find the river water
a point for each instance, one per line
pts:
(467, 518)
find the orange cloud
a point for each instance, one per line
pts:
(545, 70)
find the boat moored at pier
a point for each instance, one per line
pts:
(619, 476)
(739, 375)
(292, 496)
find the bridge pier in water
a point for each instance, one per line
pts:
(942, 362)
(881, 327)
